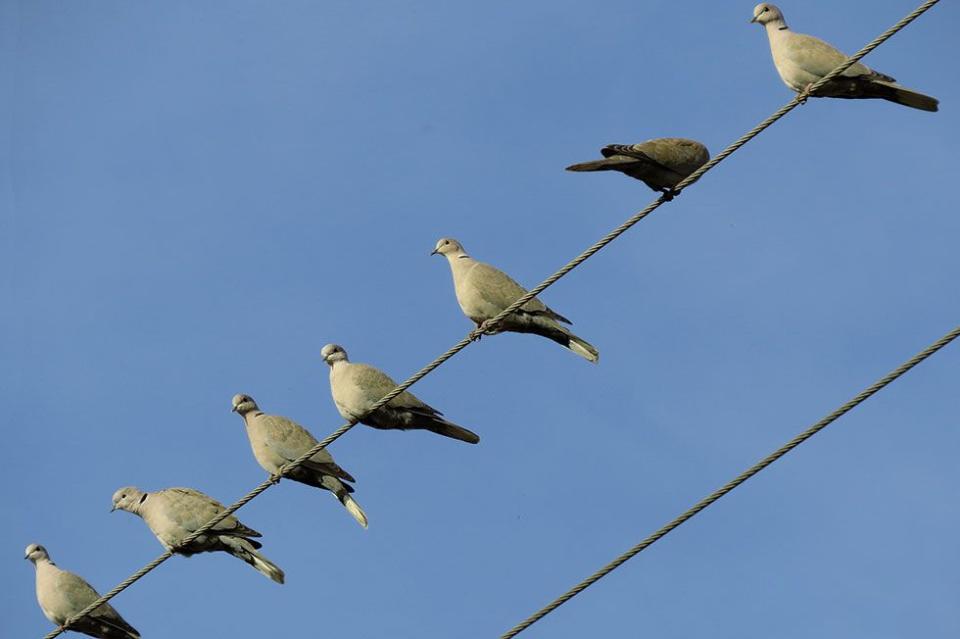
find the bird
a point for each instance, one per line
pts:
(802, 60)
(661, 163)
(484, 292)
(356, 387)
(174, 513)
(277, 441)
(62, 595)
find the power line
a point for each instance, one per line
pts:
(734, 483)
(490, 325)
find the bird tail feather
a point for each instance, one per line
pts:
(449, 429)
(913, 99)
(584, 349)
(242, 549)
(343, 496)
(96, 625)
(610, 164)
(563, 337)
(859, 87)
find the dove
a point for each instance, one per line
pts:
(661, 163)
(174, 513)
(484, 292)
(62, 595)
(277, 441)
(803, 59)
(356, 387)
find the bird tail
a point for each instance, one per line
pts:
(342, 493)
(583, 348)
(608, 164)
(878, 86)
(912, 99)
(99, 625)
(243, 549)
(568, 340)
(441, 426)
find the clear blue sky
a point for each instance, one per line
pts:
(196, 196)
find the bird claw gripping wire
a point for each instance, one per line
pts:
(484, 328)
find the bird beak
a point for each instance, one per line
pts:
(113, 509)
(753, 19)
(234, 409)
(434, 252)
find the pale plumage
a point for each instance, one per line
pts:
(803, 59)
(174, 513)
(62, 595)
(356, 387)
(484, 292)
(277, 441)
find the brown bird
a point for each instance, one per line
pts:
(661, 163)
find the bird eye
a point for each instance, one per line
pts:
(765, 9)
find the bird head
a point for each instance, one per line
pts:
(128, 498)
(243, 404)
(766, 12)
(35, 552)
(447, 246)
(333, 353)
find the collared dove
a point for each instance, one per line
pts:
(174, 513)
(356, 387)
(802, 60)
(661, 164)
(63, 595)
(277, 441)
(484, 292)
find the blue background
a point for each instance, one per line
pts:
(197, 196)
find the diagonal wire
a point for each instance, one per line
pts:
(726, 488)
(490, 326)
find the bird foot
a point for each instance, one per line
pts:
(488, 328)
(275, 479)
(668, 194)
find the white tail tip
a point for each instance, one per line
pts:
(354, 509)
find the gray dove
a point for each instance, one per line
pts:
(63, 595)
(277, 441)
(357, 387)
(661, 164)
(803, 59)
(174, 513)
(484, 292)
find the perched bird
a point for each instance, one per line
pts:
(174, 513)
(357, 387)
(483, 292)
(661, 164)
(277, 441)
(803, 59)
(63, 595)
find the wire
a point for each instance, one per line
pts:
(726, 488)
(490, 326)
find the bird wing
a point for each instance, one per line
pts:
(816, 57)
